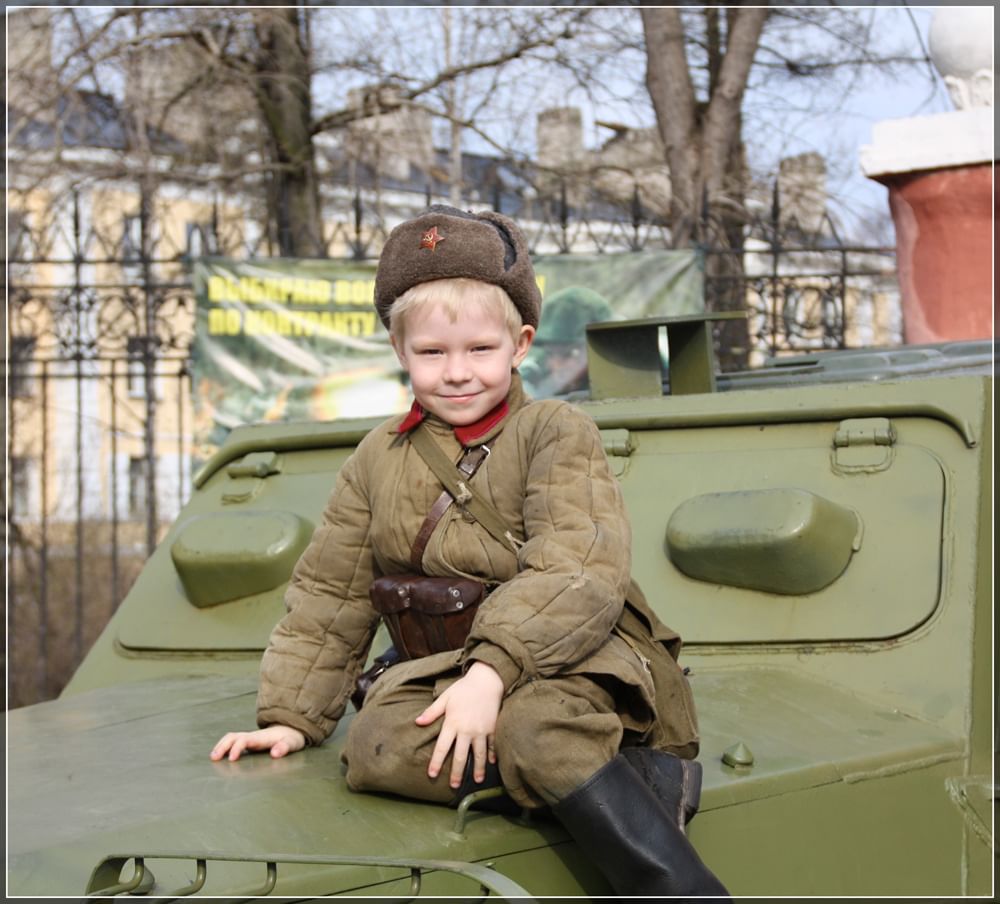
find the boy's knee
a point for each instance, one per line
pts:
(520, 723)
(383, 753)
(517, 722)
(552, 735)
(375, 750)
(364, 746)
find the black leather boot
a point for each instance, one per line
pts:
(628, 833)
(676, 782)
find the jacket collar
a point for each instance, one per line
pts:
(482, 430)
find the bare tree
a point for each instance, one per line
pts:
(252, 90)
(703, 139)
(702, 65)
(240, 86)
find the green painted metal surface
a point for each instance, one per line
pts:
(784, 540)
(231, 555)
(838, 631)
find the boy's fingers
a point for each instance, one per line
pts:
(221, 746)
(478, 758)
(432, 712)
(458, 760)
(441, 748)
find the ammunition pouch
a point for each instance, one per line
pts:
(426, 615)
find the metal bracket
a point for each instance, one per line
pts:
(863, 445)
(105, 879)
(247, 476)
(623, 357)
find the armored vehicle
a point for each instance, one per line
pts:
(818, 530)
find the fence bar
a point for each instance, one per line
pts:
(14, 377)
(43, 556)
(181, 373)
(77, 297)
(148, 366)
(115, 588)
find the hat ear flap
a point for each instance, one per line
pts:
(510, 246)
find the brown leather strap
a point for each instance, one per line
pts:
(473, 458)
(468, 465)
(427, 528)
(471, 502)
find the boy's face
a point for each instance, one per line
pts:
(460, 371)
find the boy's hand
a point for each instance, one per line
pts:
(279, 739)
(470, 707)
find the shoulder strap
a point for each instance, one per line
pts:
(468, 465)
(464, 495)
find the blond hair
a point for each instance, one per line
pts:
(454, 295)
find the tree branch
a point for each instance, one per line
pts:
(343, 117)
(668, 80)
(721, 129)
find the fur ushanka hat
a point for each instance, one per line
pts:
(447, 243)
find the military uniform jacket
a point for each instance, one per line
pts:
(558, 606)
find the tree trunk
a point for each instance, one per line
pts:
(704, 150)
(283, 93)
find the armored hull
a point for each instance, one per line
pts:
(819, 532)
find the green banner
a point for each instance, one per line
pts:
(580, 289)
(286, 339)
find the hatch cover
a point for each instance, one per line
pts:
(891, 584)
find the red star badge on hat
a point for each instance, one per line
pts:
(431, 238)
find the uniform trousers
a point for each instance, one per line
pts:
(552, 734)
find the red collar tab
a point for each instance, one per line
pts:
(416, 415)
(466, 435)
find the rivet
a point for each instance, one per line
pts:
(738, 755)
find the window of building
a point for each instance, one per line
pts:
(18, 236)
(21, 380)
(135, 374)
(131, 239)
(137, 496)
(21, 470)
(198, 239)
(20, 247)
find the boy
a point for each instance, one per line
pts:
(559, 691)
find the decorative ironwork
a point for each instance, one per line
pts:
(101, 323)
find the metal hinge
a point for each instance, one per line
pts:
(617, 442)
(863, 444)
(247, 476)
(618, 446)
(255, 464)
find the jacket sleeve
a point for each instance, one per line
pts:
(317, 650)
(574, 567)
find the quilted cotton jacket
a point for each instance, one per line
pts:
(558, 607)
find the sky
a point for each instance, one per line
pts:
(838, 131)
(811, 114)
(879, 99)
(838, 124)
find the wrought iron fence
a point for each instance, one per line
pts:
(91, 483)
(100, 325)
